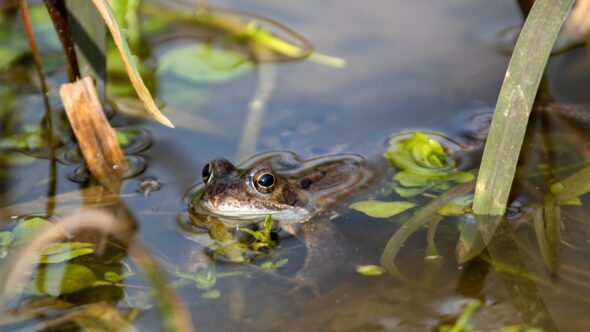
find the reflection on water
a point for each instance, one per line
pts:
(410, 65)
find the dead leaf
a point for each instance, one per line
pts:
(96, 137)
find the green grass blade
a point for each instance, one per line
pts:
(514, 105)
(105, 10)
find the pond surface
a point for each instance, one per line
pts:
(431, 66)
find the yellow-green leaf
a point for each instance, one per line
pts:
(204, 63)
(55, 280)
(29, 228)
(380, 209)
(572, 201)
(557, 187)
(452, 209)
(211, 295)
(370, 270)
(65, 251)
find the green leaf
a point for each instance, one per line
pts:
(124, 138)
(203, 280)
(262, 236)
(370, 270)
(5, 238)
(410, 192)
(206, 279)
(225, 245)
(56, 280)
(203, 63)
(113, 276)
(408, 179)
(211, 294)
(461, 177)
(65, 251)
(572, 201)
(419, 153)
(131, 67)
(12, 45)
(270, 265)
(557, 187)
(380, 209)
(424, 164)
(453, 209)
(515, 101)
(26, 230)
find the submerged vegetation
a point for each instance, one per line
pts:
(72, 251)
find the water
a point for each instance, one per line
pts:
(430, 66)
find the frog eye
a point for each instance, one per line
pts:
(206, 173)
(264, 182)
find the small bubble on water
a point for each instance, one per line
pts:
(148, 185)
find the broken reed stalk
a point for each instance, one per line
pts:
(96, 137)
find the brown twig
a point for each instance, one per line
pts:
(59, 16)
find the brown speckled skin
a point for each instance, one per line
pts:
(233, 187)
(310, 184)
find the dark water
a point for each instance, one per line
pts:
(430, 66)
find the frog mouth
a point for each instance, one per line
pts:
(235, 216)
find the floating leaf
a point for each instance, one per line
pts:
(65, 251)
(457, 207)
(56, 280)
(206, 279)
(211, 294)
(557, 187)
(424, 165)
(410, 192)
(569, 190)
(370, 270)
(203, 63)
(26, 230)
(262, 236)
(270, 265)
(420, 154)
(5, 238)
(115, 277)
(572, 201)
(461, 177)
(203, 280)
(380, 209)
(123, 138)
(225, 244)
(452, 210)
(408, 179)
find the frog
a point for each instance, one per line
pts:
(297, 193)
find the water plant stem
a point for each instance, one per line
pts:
(515, 103)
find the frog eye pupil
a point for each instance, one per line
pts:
(266, 180)
(206, 173)
(264, 183)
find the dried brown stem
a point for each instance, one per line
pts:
(95, 135)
